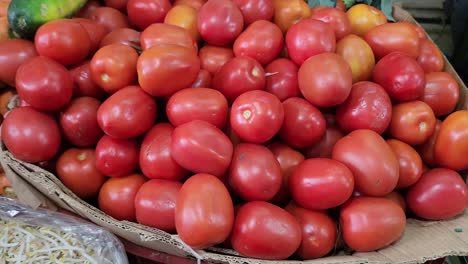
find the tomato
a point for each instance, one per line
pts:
(201, 147)
(128, 113)
(367, 107)
(110, 17)
(430, 57)
(117, 4)
(76, 170)
(166, 69)
(79, 122)
(89, 8)
(30, 135)
(254, 10)
(160, 34)
(410, 163)
(441, 93)
(220, 22)
(5, 97)
(257, 116)
(83, 83)
(44, 84)
(95, 31)
(4, 29)
(325, 80)
(197, 104)
(337, 19)
(262, 40)
(185, 17)
(319, 232)
(63, 40)
(412, 122)
(362, 217)
(116, 157)
(440, 194)
(397, 198)
(203, 79)
(358, 54)
(309, 37)
(303, 125)
(288, 13)
(204, 213)
(363, 18)
(401, 76)
(281, 79)
(143, 13)
(450, 148)
(117, 196)
(192, 3)
(265, 231)
(212, 58)
(13, 53)
(426, 150)
(126, 36)
(157, 197)
(323, 148)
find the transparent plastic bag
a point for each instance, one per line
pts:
(42, 236)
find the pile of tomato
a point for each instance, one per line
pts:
(260, 125)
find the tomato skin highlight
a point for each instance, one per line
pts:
(116, 157)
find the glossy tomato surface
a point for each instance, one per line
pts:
(441, 93)
(95, 31)
(83, 83)
(281, 79)
(162, 33)
(110, 17)
(426, 150)
(288, 13)
(324, 148)
(212, 58)
(254, 10)
(410, 163)
(185, 17)
(116, 157)
(13, 53)
(336, 19)
(363, 18)
(143, 13)
(126, 36)
(430, 57)
(359, 55)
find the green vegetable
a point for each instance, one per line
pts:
(385, 5)
(26, 16)
(349, 3)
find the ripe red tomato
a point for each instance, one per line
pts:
(358, 54)
(13, 53)
(368, 106)
(325, 80)
(157, 197)
(324, 148)
(410, 163)
(161, 33)
(166, 69)
(203, 79)
(44, 84)
(255, 174)
(319, 232)
(254, 10)
(363, 217)
(117, 196)
(262, 41)
(79, 122)
(114, 66)
(265, 231)
(143, 13)
(401, 76)
(117, 4)
(337, 19)
(309, 37)
(110, 17)
(441, 93)
(371, 160)
(430, 57)
(256, 116)
(30, 135)
(83, 83)
(288, 13)
(212, 58)
(412, 122)
(397, 198)
(281, 79)
(116, 157)
(201, 147)
(89, 8)
(220, 22)
(76, 170)
(204, 213)
(95, 31)
(126, 36)
(303, 125)
(440, 194)
(320, 184)
(426, 150)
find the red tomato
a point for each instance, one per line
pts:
(204, 213)
(89, 8)
(116, 157)
(203, 79)
(303, 125)
(117, 196)
(220, 22)
(117, 4)
(319, 232)
(309, 37)
(79, 122)
(95, 31)
(239, 75)
(397, 198)
(320, 184)
(255, 174)
(426, 150)
(441, 93)
(389, 37)
(337, 20)
(401, 76)
(110, 17)
(157, 197)
(281, 79)
(143, 13)
(363, 217)
(367, 107)
(257, 116)
(13, 53)
(160, 33)
(358, 54)
(323, 148)
(30, 135)
(430, 57)
(166, 69)
(83, 83)
(76, 170)
(265, 231)
(201, 147)
(254, 10)
(440, 194)
(325, 80)
(410, 163)
(412, 122)
(262, 41)
(197, 104)
(126, 36)
(44, 84)
(212, 58)
(371, 160)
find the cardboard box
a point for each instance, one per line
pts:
(421, 241)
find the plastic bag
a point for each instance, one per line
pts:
(43, 236)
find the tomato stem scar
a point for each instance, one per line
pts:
(105, 77)
(246, 114)
(81, 157)
(255, 72)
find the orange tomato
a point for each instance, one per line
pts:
(4, 28)
(5, 98)
(184, 16)
(289, 12)
(193, 3)
(364, 17)
(358, 54)
(4, 183)
(4, 7)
